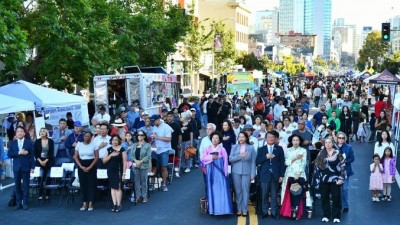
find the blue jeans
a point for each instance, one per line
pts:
(204, 119)
(345, 193)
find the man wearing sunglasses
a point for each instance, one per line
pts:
(348, 154)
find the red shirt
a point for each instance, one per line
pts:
(379, 106)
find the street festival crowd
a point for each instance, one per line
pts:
(261, 147)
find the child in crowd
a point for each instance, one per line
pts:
(389, 172)
(372, 128)
(361, 132)
(375, 180)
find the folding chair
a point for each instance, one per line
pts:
(34, 182)
(72, 190)
(57, 180)
(128, 186)
(102, 181)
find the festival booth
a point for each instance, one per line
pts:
(9, 105)
(393, 101)
(50, 105)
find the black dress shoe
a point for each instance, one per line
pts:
(264, 216)
(346, 210)
(25, 207)
(12, 202)
(18, 207)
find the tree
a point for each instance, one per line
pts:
(12, 39)
(225, 59)
(249, 61)
(392, 63)
(372, 49)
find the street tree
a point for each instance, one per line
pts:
(249, 61)
(372, 49)
(13, 38)
(392, 63)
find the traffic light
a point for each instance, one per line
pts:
(172, 65)
(385, 31)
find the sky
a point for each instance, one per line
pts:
(358, 12)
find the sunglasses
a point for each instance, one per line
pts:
(142, 135)
(340, 137)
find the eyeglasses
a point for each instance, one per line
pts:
(341, 138)
(301, 124)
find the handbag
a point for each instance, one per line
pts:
(190, 152)
(296, 189)
(203, 205)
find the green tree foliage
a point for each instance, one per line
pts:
(249, 61)
(372, 49)
(74, 40)
(226, 58)
(12, 38)
(392, 63)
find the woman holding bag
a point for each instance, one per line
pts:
(243, 161)
(293, 196)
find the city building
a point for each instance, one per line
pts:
(266, 24)
(302, 45)
(361, 39)
(318, 21)
(344, 39)
(291, 16)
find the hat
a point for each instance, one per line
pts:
(102, 108)
(155, 117)
(193, 109)
(248, 127)
(77, 124)
(145, 113)
(118, 123)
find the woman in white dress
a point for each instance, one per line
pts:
(293, 205)
(384, 141)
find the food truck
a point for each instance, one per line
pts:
(149, 85)
(242, 82)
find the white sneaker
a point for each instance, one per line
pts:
(389, 198)
(176, 169)
(336, 220)
(325, 219)
(373, 199)
(177, 175)
(377, 199)
(164, 188)
(187, 170)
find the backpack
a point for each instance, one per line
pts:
(259, 106)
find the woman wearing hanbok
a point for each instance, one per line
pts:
(215, 161)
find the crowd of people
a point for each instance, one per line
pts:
(267, 138)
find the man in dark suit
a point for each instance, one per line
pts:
(21, 151)
(271, 158)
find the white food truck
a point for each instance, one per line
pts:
(150, 85)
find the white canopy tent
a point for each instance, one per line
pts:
(49, 101)
(366, 80)
(10, 104)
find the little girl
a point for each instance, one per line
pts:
(375, 180)
(361, 132)
(389, 172)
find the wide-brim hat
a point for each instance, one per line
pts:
(118, 123)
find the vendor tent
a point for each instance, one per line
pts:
(366, 80)
(42, 97)
(385, 77)
(10, 104)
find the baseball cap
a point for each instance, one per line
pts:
(193, 109)
(248, 127)
(155, 117)
(77, 124)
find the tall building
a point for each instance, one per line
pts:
(266, 24)
(318, 21)
(361, 38)
(344, 41)
(395, 23)
(291, 16)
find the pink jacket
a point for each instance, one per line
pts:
(207, 157)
